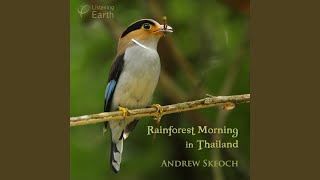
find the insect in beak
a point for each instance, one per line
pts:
(165, 27)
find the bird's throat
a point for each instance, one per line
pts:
(140, 44)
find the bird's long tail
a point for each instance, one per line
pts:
(116, 154)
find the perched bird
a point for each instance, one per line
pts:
(133, 77)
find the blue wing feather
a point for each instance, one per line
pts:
(109, 92)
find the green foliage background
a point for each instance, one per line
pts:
(212, 36)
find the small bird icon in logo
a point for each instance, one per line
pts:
(84, 9)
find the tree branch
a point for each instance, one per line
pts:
(226, 101)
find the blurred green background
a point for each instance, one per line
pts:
(208, 53)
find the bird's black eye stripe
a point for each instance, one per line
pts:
(146, 26)
(135, 26)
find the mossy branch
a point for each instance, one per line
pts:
(228, 102)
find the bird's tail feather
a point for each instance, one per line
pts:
(116, 154)
(129, 128)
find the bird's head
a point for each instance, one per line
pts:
(145, 31)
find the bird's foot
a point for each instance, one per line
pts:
(125, 111)
(159, 111)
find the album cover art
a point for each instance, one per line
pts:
(159, 89)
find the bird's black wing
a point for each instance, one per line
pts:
(114, 75)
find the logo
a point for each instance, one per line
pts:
(97, 11)
(84, 10)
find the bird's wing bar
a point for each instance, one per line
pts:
(109, 92)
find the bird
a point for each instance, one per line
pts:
(133, 77)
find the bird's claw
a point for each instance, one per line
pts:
(125, 111)
(159, 111)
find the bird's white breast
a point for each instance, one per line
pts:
(138, 79)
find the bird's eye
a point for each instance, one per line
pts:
(146, 26)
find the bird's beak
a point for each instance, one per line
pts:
(165, 29)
